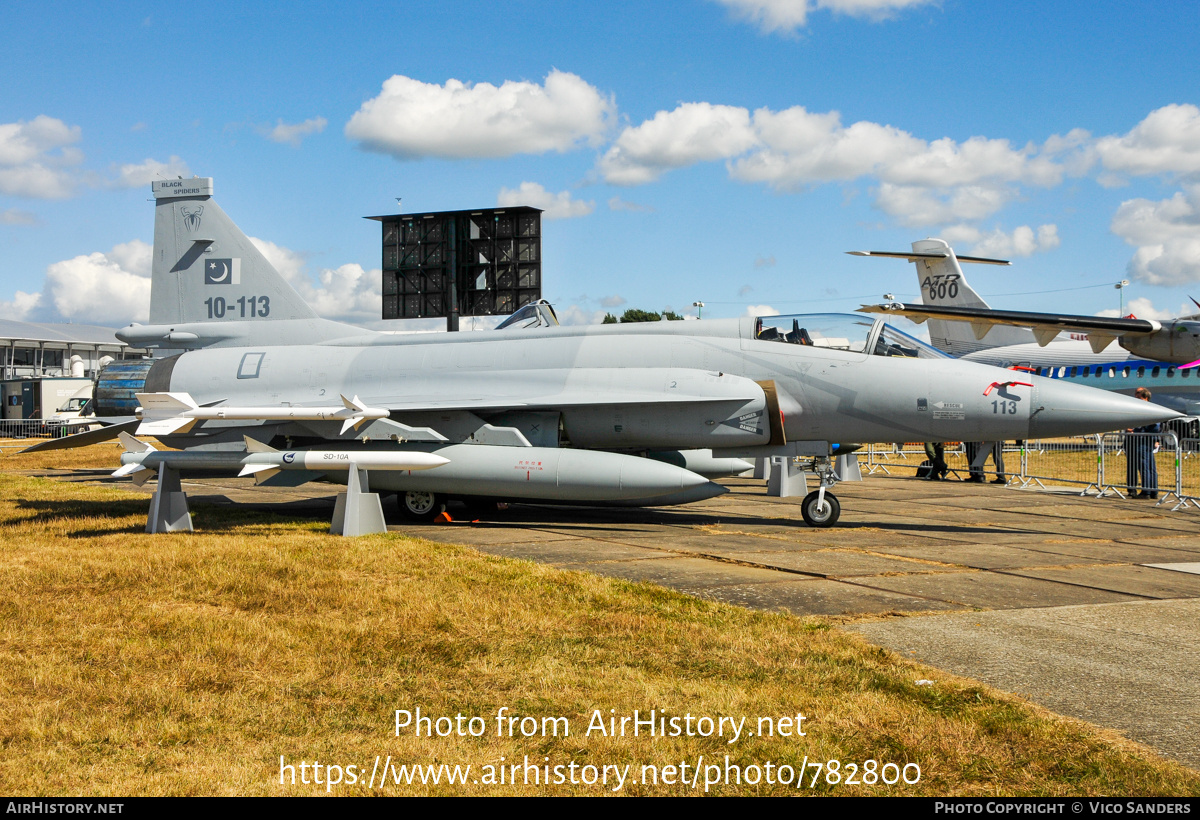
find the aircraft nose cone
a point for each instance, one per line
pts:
(1062, 409)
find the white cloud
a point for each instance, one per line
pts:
(917, 207)
(103, 289)
(576, 315)
(555, 206)
(612, 301)
(1166, 234)
(761, 310)
(135, 257)
(22, 305)
(411, 119)
(744, 289)
(33, 156)
(1143, 308)
(765, 261)
(1167, 141)
(802, 148)
(693, 132)
(788, 15)
(12, 216)
(617, 204)
(1142, 222)
(921, 182)
(142, 174)
(345, 293)
(1174, 262)
(292, 133)
(1021, 241)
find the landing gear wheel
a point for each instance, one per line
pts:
(820, 515)
(418, 505)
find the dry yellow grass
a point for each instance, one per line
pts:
(190, 663)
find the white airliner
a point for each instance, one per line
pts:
(1160, 356)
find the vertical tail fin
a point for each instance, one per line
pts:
(942, 282)
(205, 269)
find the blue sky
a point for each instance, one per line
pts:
(727, 151)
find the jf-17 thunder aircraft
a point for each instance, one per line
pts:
(248, 379)
(1159, 355)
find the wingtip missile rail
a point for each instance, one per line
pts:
(163, 414)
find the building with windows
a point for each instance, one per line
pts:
(43, 364)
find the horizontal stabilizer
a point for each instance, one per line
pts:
(84, 439)
(913, 256)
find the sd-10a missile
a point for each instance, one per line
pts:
(141, 460)
(165, 413)
(552, 474)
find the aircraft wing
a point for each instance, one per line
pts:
(1100, 330)
(546, 389)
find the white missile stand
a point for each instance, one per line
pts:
(357, 510)
(168, 505)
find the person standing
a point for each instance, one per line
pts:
(995, 449)
(935, 451)
(1140, 469)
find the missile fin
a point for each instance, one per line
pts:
(157, 405)
(133, 445)
(256, 446)
(165, 427)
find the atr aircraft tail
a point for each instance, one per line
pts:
(205, 269)
(942, 283)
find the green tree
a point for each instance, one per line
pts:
(637, 315)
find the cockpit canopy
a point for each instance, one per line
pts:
(843, 331)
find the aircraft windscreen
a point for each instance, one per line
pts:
(843, 331)
(838, 331)
(892, 342)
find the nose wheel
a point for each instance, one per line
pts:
(818, 511)
(821, 508)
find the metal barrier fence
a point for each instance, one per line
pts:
(24, 428)
(1158, 465)
(884, 458)
(1189, 470)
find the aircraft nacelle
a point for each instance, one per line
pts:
(1178, 341)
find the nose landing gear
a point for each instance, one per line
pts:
(821, 508)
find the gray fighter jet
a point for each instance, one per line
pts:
(557, 414)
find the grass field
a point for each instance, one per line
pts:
(191, 663)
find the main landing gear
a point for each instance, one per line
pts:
(420, 506)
